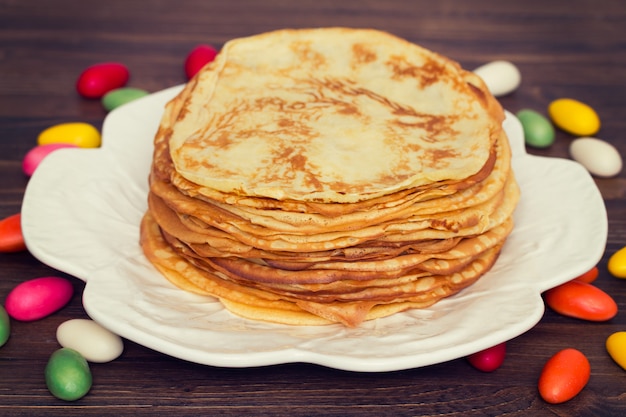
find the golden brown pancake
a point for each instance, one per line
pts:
(299, 114)
(330, 175)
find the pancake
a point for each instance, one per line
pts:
(297, 114)
(319, 176)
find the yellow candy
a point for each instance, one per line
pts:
(616, 346)
(79, 134)
(574, 117)
(617, 263)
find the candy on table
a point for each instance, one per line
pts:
(574, 116)
(617, 263)
(37, 298)
(11, 237)
(98, 79)
(616, 347)
(563, 376)
(490, 359)
(33, 158)
(198, 58)
(538, 130)
(600, 158)
(501, 77)
(80, 134)
(67, 375)
(582, 301)
(5, 326)
(589, 276)
(91, 340)
(120, 96)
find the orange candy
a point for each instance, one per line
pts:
(563, 376)
(588, 276)
(582, 301)
(11, 239)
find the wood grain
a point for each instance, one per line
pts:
(563, 49)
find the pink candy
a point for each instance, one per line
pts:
(198, 58)
(38, 298)
(99, 79)
(490, 359)
(34, 157)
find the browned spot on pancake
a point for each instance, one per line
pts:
(307, 54)
(286, 123)
(361, 54)
(222, 140)
(426, 74)
(432, 72)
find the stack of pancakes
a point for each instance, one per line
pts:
(329, 175)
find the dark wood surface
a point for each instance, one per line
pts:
(563, 49)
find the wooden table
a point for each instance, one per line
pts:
(563, 48)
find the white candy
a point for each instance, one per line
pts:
(501, 77)
(91, 340)
(600, 158)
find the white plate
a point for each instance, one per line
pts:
(81, 215)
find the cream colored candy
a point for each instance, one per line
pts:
(91, 340)
(501, 77)
(600, 158)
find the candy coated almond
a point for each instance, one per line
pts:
(98, 79)
(616, 346)
(120, 96)
(91, 340)
(490, 359)
(198, 58)
(538, 131)
(501, 77)
(563, 376)
(599, 157)
(574, 116)
(67, 375)
(38, 298)
(582, 301)
(37, 154)
(617, 263)
(589, 276)
(11, 238)
(78, 134)
(5, 326)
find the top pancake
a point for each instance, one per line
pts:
(296, 115)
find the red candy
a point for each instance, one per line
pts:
(490, 359)
(563, 376)
(99, 79)
(38, 298)
(588, 276)
(582, 301)
(198, 58)
(11, 238)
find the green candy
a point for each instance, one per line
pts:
(538, 130)
(119, 96)
(5, 326)
(67, 375)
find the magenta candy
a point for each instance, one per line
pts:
(38, 298)
(490, 359)
(99, 79)
(34, 157)
(198, 58)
